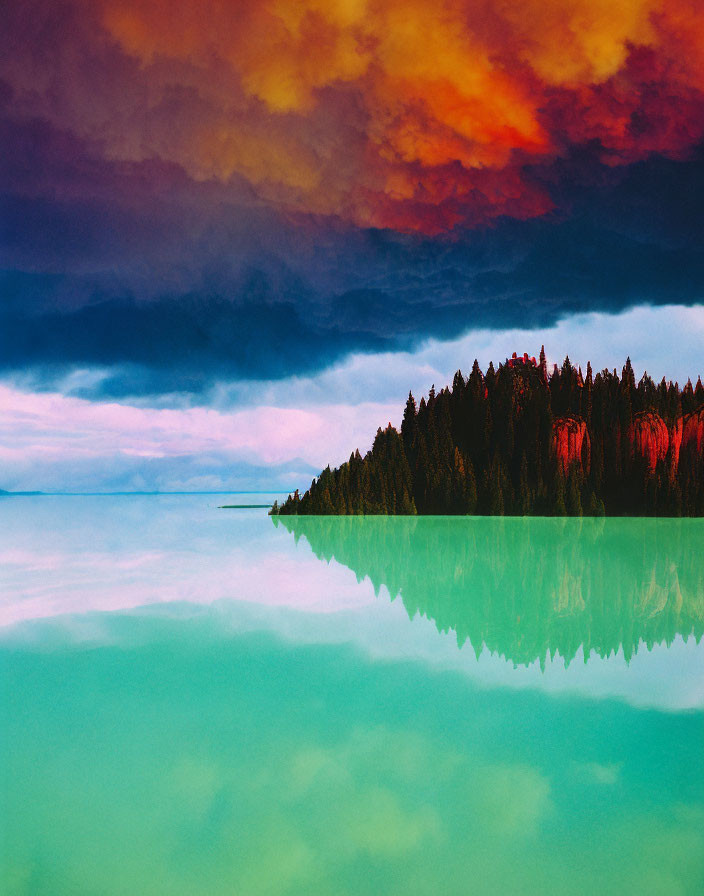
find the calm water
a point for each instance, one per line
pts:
(200, 701)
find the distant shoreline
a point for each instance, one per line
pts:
(243, 506)
(6, 494)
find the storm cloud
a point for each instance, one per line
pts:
(265, 188)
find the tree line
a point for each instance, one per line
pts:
(517, 440)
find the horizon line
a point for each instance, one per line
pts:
(37, 494)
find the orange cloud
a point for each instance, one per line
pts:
(414, 114)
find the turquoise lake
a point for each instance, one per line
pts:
(206, 701)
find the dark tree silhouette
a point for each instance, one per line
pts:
(520, 441)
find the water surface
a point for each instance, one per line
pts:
(198, 700)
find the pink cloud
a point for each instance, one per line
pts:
(49, 426)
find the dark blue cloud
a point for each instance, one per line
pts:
(173, 283)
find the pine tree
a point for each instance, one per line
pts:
(471, 499)
(409, 426)
(525, 497)
(543, 365)
(559, 505)
(574, 498)
(496, 491)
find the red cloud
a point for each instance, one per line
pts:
(411, 114)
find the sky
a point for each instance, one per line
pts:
(234, 234)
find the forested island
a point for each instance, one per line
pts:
(518, 440)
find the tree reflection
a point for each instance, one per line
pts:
(528, 588)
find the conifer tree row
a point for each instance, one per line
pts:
(519, 441)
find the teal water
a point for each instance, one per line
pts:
(200, 701)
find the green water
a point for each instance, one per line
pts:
(525, 587)
(302, 735)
